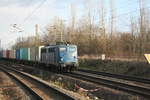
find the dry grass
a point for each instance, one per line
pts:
(114, 58)
(141, 69)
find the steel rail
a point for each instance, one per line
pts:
(142, 91)
(57, 91)
(119, 76)
(34, 94)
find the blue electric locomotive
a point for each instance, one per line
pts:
(63, 56)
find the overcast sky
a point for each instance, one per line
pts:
(16, 12)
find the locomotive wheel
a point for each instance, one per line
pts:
(59, 69)
(70, 69)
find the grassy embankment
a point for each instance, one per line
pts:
(141, 69)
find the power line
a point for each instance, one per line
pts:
(124, 14)
(128, 4)
(124, 6)
(24, 8)
(131, 12)
(134, 11)
(26, 18)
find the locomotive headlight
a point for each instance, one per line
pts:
(61, 59)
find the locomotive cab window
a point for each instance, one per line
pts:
(62, 49)
(72, 49)
(43, 50)
(51, 50)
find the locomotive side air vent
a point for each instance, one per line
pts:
(60, 43)
(47, 44)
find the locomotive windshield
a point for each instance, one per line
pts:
(72, 49)
(62, 49)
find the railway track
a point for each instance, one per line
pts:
(38, 89)
(129, 88)
(119, 76)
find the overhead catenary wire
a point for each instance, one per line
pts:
(31, 14)
(125, 6)
(106, 18)
(127, 13)
(28, 16)
(124, 14)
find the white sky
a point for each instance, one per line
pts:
(15, 12)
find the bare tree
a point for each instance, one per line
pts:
(142, 22)
(71, 30)
(102, 17)
(112, 19)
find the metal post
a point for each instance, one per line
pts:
(36, 35)
(0, 44)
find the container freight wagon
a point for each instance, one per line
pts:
(1, 54)
(4, 54)
(25, 54)
(18, 54)
(35, 53)
(7, 53)
(12, 54)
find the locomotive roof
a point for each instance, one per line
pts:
(62, 45)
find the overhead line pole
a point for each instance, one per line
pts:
(36, 35)
(0, 44)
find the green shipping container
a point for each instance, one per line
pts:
(24, 54)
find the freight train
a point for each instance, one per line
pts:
(60, 57)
